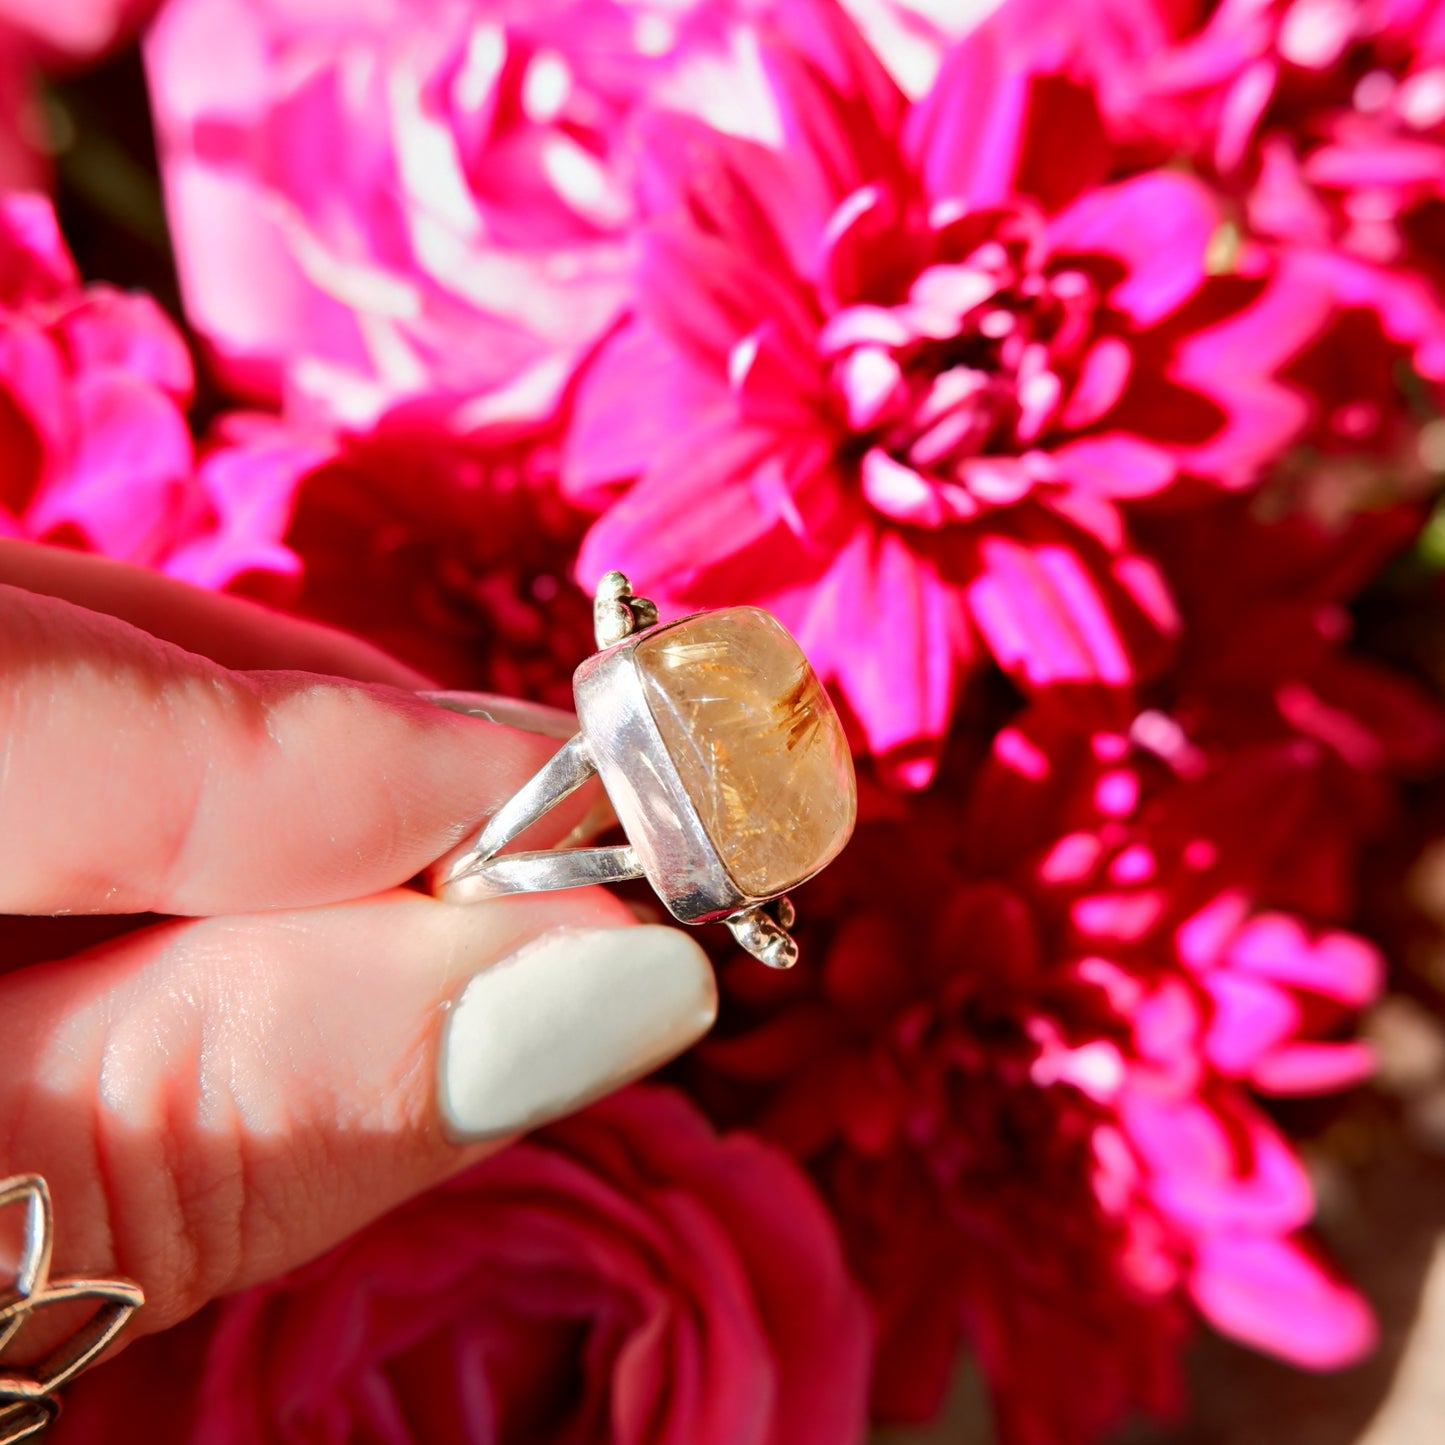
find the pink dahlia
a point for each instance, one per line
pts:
(906, 1065)
(417, 197)
(1042, 1136)
(901, 373)
(1324, 122)
(626, 1276)
(95, 450)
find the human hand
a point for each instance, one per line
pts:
(219, 1094)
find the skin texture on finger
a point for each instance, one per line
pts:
(230, 630)
(137, 777)
(214, 1101)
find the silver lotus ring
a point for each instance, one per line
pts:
(29, 1394)
(723, 757)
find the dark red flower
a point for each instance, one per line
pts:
(451, 554)
(1047, 997)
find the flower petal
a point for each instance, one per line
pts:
(1313, 1068)
(1271, 1294)
(35, 264)
(1337, 965)
(611, 438)
(987, 131)
(1116, 464)
(705, 295)
(1158, 225)
(1218, 1164)
(123, 482)
(704, 500)
(898, 657)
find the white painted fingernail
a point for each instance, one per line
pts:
(509, 712)
(570, 1017)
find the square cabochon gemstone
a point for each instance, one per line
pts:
(756, 742)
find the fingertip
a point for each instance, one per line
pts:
(218, 1100)
(572, 1016)
(144, 778)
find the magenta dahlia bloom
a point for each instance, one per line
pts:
(1052, 997)
(1031, 1106)
(1323, 121)
(894, 379)
(95, 449)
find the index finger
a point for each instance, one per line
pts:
(138, 777)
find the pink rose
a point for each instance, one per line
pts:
(95, 450)
(418, 197)
(626, 1276)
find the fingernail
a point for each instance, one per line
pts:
(509, 712)
(570, 1017)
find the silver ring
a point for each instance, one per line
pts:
(723, 757)
(29, 1394)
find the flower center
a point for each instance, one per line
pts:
(947, 393)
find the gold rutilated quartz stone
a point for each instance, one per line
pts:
(756, 742)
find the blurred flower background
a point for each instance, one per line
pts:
(1069, 379)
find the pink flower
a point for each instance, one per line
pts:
(417, 197)
(1325, 121)
(910, 1066)
(95, 451)
(626, 1276)
(902, 373)
(1040, 1134)
(911, 37)
(74, 30)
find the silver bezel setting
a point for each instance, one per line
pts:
(647, 793)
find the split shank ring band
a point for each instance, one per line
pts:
(29, 1398)
(724, 760)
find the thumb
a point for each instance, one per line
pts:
(213, 1101)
